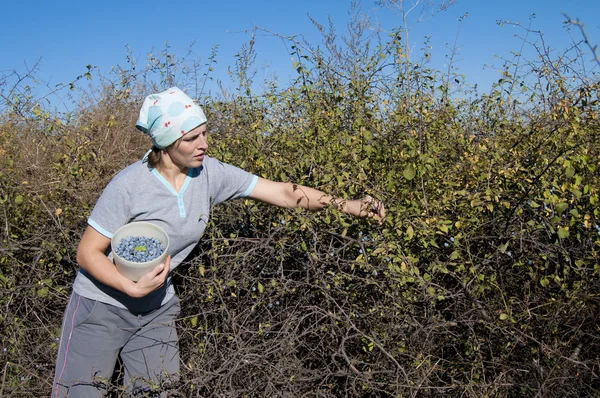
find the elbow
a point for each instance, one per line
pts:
(82, 257)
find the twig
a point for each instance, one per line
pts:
(579, 24)
(24, 370)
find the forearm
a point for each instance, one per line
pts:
(103, 270)
(314, 199)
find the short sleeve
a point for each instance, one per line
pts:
(112, 210)
(228, 182)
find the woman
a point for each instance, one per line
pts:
(175, 187)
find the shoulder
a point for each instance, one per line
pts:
(210, 162)
(130, 177)
(212, 167)
(133, 172)
(216, 165)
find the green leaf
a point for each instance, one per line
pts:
(503, 248)
(570, 172)
(544, 282)
(574, 212)
(503, 317)
(563, 233)
(561, 207)
(367, 345)
(476, 202)
(409, 172)
(260, 287)
(18, 199)
(410, 232)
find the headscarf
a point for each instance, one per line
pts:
(168, 115)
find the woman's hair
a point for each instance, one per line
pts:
(155, 158)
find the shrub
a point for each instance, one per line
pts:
(482, 281)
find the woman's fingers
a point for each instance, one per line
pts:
(155, 278)
(163, 270)
(379, 211)
(374, 208)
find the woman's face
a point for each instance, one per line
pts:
(190, 151)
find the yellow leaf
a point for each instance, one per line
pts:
(57, 212)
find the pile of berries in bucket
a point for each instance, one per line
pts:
(139, 249)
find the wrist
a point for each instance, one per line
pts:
(351, 207)
(130, 288)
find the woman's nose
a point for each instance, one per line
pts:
(202, 142)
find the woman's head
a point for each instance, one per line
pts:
(168, 116)
(186, 152)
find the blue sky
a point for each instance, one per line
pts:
(68, 34)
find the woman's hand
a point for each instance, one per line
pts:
(366, 207)
(151, 281)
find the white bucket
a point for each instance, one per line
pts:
(130, 269)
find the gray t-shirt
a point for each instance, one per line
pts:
(139, 193)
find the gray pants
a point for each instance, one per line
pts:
(94, 334)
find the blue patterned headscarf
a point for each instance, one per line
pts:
(167, 116)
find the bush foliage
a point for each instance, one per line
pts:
(482, 281)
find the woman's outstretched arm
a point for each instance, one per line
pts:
(287, 194)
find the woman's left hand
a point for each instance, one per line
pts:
(367, 207)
